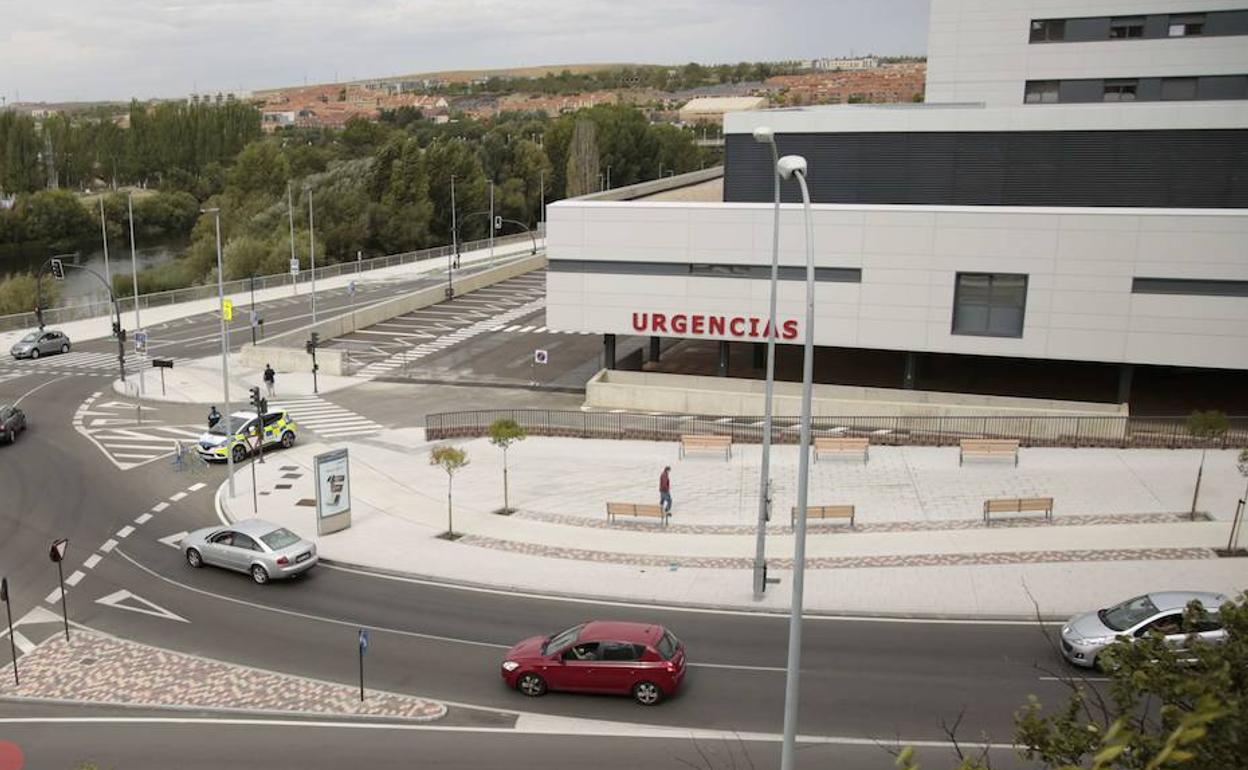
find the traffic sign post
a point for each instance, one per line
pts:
(363, 649)
(140, 341)
(227, 309)
(539, 357)
(8, 608)
(162, 364)
(57, 554)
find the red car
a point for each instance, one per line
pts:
(640, 659)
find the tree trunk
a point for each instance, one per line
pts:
(450, 518)
(506, 503)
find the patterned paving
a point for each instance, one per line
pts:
(817, 526)
(94, 668)
(844, 562)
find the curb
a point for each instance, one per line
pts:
(445, 582)
(311, 716)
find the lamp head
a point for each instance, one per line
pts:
(790, 165)
(764, 135)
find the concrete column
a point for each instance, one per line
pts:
(912, 371)
(1125, 373)
(760, 355)
(654, 349)
(608, 351)
(723, 358)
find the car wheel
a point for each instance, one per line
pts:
(259, 574)
(240, 453)
(531, 685)
(194, 559)
(34, 352)
(65, 347)
(647, 693)
(288, 440)
(10, 436)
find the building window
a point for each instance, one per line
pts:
(1178, 89)
(1123, 27)
(1195, 287)
(1041, 92)
(989, 304)
(1120, 90)
(1187, 25)
(1045, 30)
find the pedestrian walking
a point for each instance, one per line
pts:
(214, 417)
(269, 377)
(665, 489)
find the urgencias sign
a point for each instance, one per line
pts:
(742, 327)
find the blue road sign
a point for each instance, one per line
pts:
(363, 640)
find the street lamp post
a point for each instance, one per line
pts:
(789, 167)
(541, 193)
(491, 223)
(108, 276)
(608, 176)
(454, 255)
(764, 135)
(134, 279)
(311, 251)
(225, 356)
(290, 208)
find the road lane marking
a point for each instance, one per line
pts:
(53, 597)
(37, 387)
(92, 560)
(158, 507)
(125, 531)
(143, 518)
(176, 497)
(109, 545)
(196, 487)
(75, 578)
(23, 644)
(138, 604)
(174, 540)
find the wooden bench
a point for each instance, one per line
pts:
(840, 445)
(988, 447)
(636, 509)
(698, 441)
(824, 512)
(1018, 505)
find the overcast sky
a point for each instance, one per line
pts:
(63, 50)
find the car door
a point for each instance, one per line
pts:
(243, 551)
(1169, 625)
(620, 667)
(577, 669)
(272, 431)
(46, 343)
(216, 549)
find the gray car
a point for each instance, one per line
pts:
(1085, 636)
(12, 422)
(260, 548)
(40, 343)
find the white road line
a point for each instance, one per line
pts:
(92, 560)
(23, 644)
(75, 578)
(512, 328)
(177, 496)
(143, 518)
(109, 545)
(196, 487)
(158, 507)
(53, 597)
(125, 531)
(1076, 677)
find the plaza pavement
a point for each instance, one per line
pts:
(1121, 524)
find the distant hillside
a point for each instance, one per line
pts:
(460, 76)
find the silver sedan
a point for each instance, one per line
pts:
(40, 343)
(1085, 636)
(260, 548)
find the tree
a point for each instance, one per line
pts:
(17, 293)
(503, 433)
(21, 157)
(260, 168)
(55, 217)
(582, 171)
(450, 459)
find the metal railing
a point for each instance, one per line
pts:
(66, 313)
(1038, 431)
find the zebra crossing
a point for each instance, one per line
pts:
(75, 362)
(531, 329)
(325, 418)
(126, 437)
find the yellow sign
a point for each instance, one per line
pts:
(227, 309)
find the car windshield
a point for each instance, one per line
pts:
(1128, 614)
(562, 639)
(668, 645)
(279, 539)
(235, 425)
(32, 337)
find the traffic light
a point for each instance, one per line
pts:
(259, 402)
(58, 270)
(312, 343)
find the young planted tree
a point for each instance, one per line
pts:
(451, 459)
(503, 433)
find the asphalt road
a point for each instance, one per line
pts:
(863, 680)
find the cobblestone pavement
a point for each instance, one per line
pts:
(102, 669)
(843, 562)
(818, 527)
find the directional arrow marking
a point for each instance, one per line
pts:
(120, 405)
(138, 604)
(174, 540)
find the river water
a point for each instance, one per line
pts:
(80, 287)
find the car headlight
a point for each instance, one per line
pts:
(1095, 640)
(510, 665)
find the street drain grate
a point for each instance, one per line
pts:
(282, 486)
(307, 502)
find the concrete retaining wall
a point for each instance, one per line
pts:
(692, 394)
(286, 353)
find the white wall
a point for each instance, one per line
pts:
(978, 50)
(1080, 263)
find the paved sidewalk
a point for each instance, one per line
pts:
(199, 382)
(1121, 524)
(99, 669)
(101, 327)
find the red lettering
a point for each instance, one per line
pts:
(698, 324)
(737, 326)
(716, 324)
(680, 323)
(766, 328)
(753, 327)
(639, 321)
(790, 329)
(658, 322)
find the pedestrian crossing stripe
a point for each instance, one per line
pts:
(326, 418)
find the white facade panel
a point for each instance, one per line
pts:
(1079, 264)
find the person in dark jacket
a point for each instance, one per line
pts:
(270, 378)
(214, 417)
(665, 489)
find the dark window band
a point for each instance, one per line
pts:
(1190, 286)
(1153, 26)
(1152, 89)
(704, 270)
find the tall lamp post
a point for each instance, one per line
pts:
(225, 355)
(108, 276)
(764, 135)
(454, 255)
(794, 167)
(311, 250)
(134, 279)
(290, 209)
